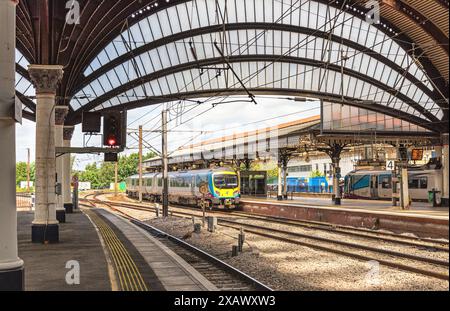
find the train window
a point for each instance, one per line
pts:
(160, 182)
(149, 182)
(386, 183)
(202, 178)
(413, 184)
(423, 183)
(174, 182)
(225, 181)
(186, 181)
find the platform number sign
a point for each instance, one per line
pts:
(390, 165)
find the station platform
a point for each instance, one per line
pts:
(45, 265)
(421, 219)
(417, 209)
(113, 254)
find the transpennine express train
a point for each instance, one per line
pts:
(221, 185)
(377, 184)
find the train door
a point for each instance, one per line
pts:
(374, 186)
(385, 186)
(348, 185)
(193, 185)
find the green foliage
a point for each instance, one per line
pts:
(316, 174)
(21, 172)
(102, 176)
(270, 167)
(24, 190)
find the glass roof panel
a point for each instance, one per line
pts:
(202, 13)
(316, 16)
(167, 56)
(21, 60)
(24, 86)
(307, 80)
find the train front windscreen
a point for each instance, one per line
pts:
(226, 181)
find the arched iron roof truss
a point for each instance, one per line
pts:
(322, 49)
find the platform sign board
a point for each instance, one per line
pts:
(84, 186)
(417, 154)
(122, 186)
(390, 165)
(23, 184)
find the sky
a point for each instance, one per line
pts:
(197, 123)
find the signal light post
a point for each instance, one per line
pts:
(165, 164)
(113, 135)
(112, 129)
(140, 163)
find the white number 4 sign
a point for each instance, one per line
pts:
(390, 165)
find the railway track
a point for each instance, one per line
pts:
(222, 275)
(400, 260)
(313, 225)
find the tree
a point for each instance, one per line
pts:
(90, 174)
(316, 174)
(270, 167)
(21, 172)
(103, 176)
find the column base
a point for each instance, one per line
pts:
(337, 201)
(285, 196)
(68, 207)
(12, 280)
(45, 233)
(394, 202)
(61, 215)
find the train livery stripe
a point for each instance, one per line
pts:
(361, 183)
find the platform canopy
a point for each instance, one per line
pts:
(126, 54)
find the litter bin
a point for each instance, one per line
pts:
(434, 197)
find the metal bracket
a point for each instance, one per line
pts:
(12, 110)
(83, 150)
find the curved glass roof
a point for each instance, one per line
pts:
(21, 60)
(23, 85)
(275, 47)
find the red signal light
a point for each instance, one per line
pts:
(112, 141)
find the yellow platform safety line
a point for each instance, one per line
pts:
(129, 275)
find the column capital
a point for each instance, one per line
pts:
(60, 114)
(45, 78)
(68, 132)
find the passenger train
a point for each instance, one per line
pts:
(377, 184)
(220, 186)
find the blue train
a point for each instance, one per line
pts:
(312, 184)
(376, 184)
(222, 187)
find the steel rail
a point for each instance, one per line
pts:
(438, 275)
(360, 232)
(256, 231)
(342, 243)
(206, 256)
